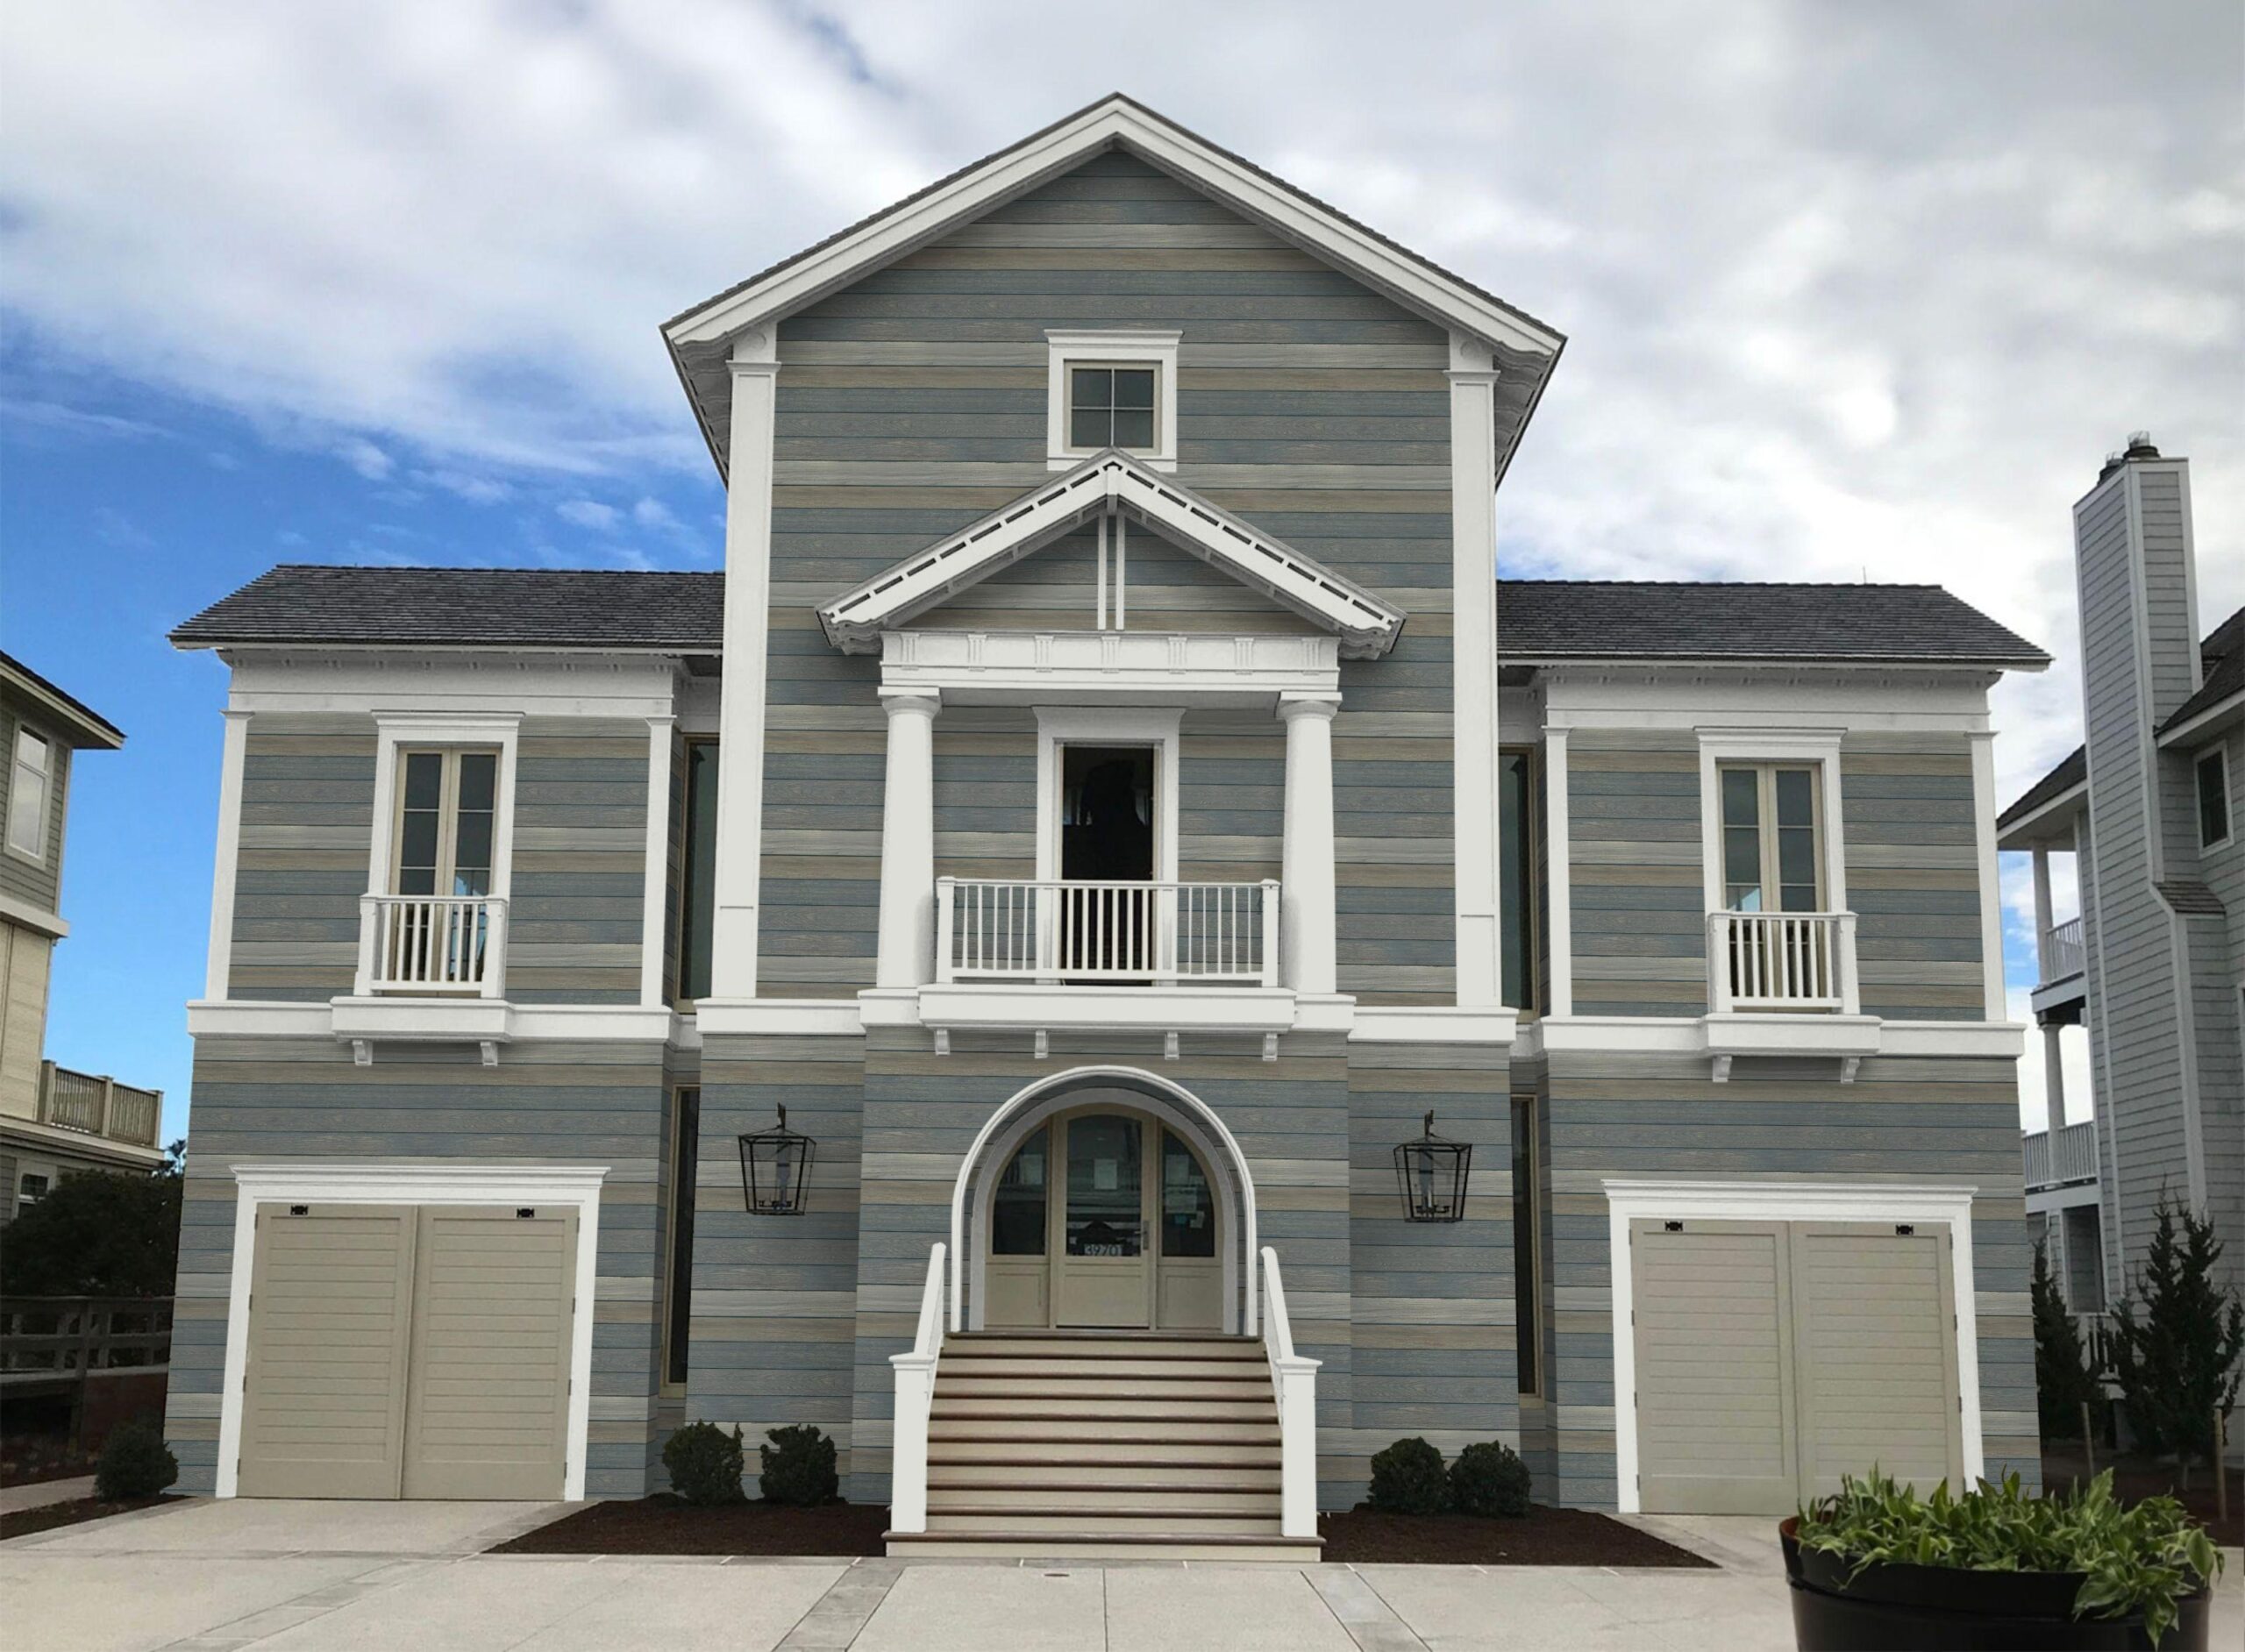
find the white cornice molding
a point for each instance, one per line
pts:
(1113, 122)
(1366, 624)
(973, 667)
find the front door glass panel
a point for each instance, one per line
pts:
(1105, 1217)
(1188, 1209)
(1017, 1206)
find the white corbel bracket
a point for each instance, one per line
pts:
(1848, 1066)
(489, 1050)
(362, 1053)
(1722, 1069)
(1270, 1046)
(1044, 1044)
(1169, 1046)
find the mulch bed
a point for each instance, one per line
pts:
(24, 1522)
(2135, 1479)
(1547, 1537)
(667, 1525)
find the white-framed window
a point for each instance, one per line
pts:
(29, 1191)
(1115, 388)
(1092, 765)
(1770, 829)
(1772, 854)
(2214, 814)
(31, 781)
(447, 812)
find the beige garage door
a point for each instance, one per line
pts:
(421, 1351)
(1774, 1356)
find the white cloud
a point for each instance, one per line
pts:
(652, 513)
(476, 488)
(588, 513)
(364, 458)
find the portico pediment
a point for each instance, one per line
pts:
(1112, 485)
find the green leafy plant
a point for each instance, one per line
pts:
(1407, 1478)
(798, 1466)
(103, 1233)
(1489, 1479)
(135, 1462)
(2064, 1380)
(705, 1464)
(2144, 1558)
(2178, 1364)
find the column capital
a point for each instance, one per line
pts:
(1319, 706)
(922, 701)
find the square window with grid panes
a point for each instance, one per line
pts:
(1111, 407)
(1772, 856)
(447, 803)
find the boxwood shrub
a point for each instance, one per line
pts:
(705, 1464)
(1407, 1478)
(1489, 1479)
(799, 1466)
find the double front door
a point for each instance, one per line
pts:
(1104, 1218)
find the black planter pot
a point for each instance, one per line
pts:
(1893, 1608)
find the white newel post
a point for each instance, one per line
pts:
(907, 843)
(755, 370)
(1306, 925)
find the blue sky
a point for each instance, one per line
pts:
(1848, 288)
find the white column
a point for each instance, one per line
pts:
(2042, 913)
(2054, 1083)
(740, 706)
(232, 762)
(1306, 919)
(654, 905)
(1473, 667)
(1559, 989)
(907, 843)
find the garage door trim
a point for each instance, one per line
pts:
(266, 1183)
(1629, 1201)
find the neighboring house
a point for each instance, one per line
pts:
(1101, 804)
(2152, 964)
(53, 1122)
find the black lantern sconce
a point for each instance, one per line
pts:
(775, 1170)
(1431, 1172)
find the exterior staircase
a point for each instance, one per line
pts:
(1103, 1446)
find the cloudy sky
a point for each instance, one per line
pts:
(1852, 288)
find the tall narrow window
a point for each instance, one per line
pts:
(678, 1296)
(697, 882)
(30, 779)
(1516, 873)
(1017, 1206)
(1527, 1268)
(2213, 799)
(446, 803)
(1771, 855)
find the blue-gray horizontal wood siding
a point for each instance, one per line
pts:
(302, 1099)
(914, 401)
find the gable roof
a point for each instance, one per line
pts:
(699, 338)
(79, 723)
(2071, 773)
(1111, 483)
(1557, 620)
(2221, 659)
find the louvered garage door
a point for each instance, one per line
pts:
(420, 1351)
(1773, 1356)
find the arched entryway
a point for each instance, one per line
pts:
(1104, 1198)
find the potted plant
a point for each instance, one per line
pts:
(1876, 1566)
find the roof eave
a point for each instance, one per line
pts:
(82, 727)
(2218, 714)
(2023, 832)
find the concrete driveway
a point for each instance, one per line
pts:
(298, 1577)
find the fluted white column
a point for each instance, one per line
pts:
(1306, 923)
(907, 843)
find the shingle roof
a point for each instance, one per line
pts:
(87, 726)
(469, 608)
(2072, 772)
(1583, 619)
(2222, 655)
(684, 613)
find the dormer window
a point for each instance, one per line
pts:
(1112, 389)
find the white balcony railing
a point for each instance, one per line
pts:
(2071, 1158)
(989, 929)
(2063, 953)
(1781, 960)
(451, 944)
(95, 1104)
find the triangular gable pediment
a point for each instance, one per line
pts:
(1112, 483)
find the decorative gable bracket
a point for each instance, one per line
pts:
(1112, 483)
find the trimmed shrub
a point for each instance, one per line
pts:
(1407, 1478)
(135, 1462)
(1489, 1479)
(705, 1464)
(799, 1466)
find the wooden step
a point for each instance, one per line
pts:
(1073, 1429)
(1108, 1522)
(1114, 1545)
(1159, 1473)
(1171, 1504)
(1070, 1390)
(1094, 1341)
(1112, 1408)
(1078, 1368)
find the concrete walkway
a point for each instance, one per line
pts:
(43, 1492)
(303, 1576)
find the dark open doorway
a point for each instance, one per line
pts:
(1107, 835)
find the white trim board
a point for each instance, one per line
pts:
(1111, 484)
(1629, 1201)
(1819, 748)
(370, 1182)
(395, 731)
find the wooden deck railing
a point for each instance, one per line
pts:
(95, 1104)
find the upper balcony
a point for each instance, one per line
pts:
(1784, 984)
(2063, 982)
(2061, 1167)
(96, 1105)
(431, 969)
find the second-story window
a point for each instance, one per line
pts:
(1771, 860)
(30, 780)
(2213, 799)
(447, 803)
(1111, 407)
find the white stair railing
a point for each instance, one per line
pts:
(1076, 929)
(916, 1394)
(1294, 1380)
(1782, 960)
